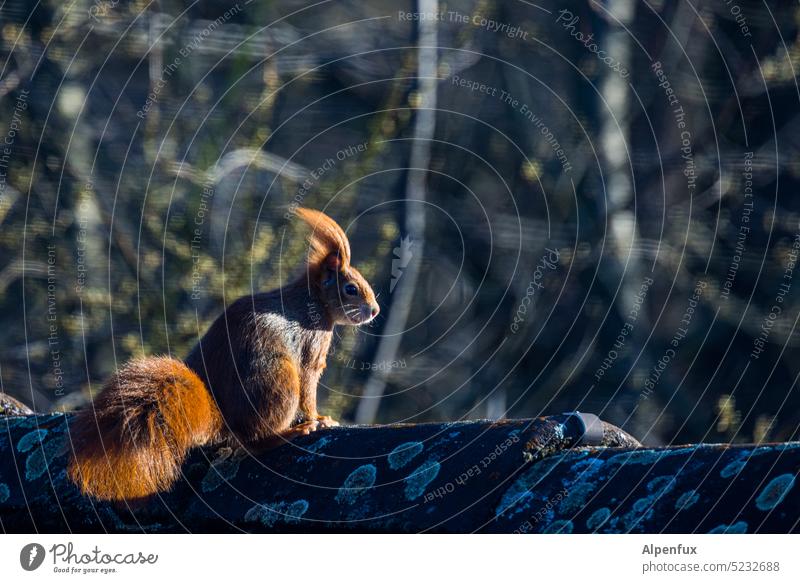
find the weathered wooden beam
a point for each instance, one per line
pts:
(509, 476)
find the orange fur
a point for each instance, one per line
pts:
(327, 238)
(132, 442)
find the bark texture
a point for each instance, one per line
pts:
(526, 475)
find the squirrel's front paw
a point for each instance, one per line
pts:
(326, 421)
(305, 427)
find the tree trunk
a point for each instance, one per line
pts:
(477, 476)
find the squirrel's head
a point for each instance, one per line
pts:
(347, 296)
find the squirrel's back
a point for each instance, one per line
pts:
(270, 339)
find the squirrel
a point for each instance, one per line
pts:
(251, 378)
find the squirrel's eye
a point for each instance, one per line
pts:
(351, 290)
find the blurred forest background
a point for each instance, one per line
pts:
(573, 205)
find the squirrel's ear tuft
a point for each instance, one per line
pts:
(327, 241)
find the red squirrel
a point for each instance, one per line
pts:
(249, 379)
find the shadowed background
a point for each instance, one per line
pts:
(543, 232)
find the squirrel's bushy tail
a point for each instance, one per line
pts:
(132, 441)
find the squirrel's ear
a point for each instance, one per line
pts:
(333, 262)
(326, 238)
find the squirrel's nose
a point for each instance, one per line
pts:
(375, 310)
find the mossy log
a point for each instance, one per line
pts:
(477, 476)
